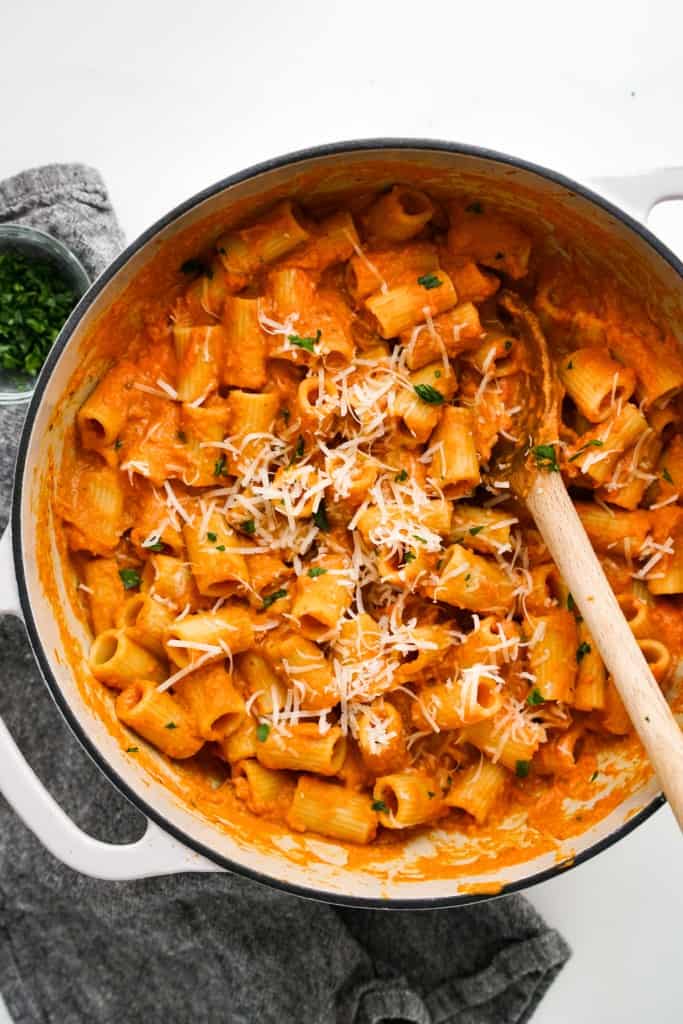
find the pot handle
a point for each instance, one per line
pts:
(155, 853)
(639, 193)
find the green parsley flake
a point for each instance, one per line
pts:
(316, 570)
(262, 732)
(474, 530)
(285, 413)
(272, 598)
(535, 697)
(213, 537)
(379, 805)
(402, 476)
(667, 475)
(156, 547)
(118, 444)
(132, 750)
(571, 605)
(35, 300)
(594, 776)
(170, 725)
(307, 343)
(409, 557)
(428, 394)
(582, 650)
(219, 468)
(130, 578)
(320, 517)
(522, 769)
(570, 365)
(299, 450)
(220, 547)
(546, 457)
(430, 281)
(508, 345)
(584, 447)
(248, 526)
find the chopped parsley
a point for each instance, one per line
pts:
(170, 725)
(213, 537)
(220, 547)
(570, 365)
(320, 517)
(474, 207)
(474, 530)
(285, 413)
(262, 732)
(402, 476)
(428, 394)
(132, 750)
(508, 345)
(307, 343)
(248, 526)
(35, 300)
(468, 577)
(546, 457)
(130, 578)
(584, 447)
(316, 570)
(582, 650)
(430, 281)
(571, 605)
(156, 547)
(437, 373)
(535, 698)
(219, 468)
(430, 794)
(272, 598)
(298, 451)
(594, 776)
(522, 769)
(118, 443)
(667, 475)
(379, 805)
(409, 557)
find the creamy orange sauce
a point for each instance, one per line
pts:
(536, 815)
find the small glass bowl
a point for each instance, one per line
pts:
(18, 387)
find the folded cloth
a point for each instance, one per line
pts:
(210, 948)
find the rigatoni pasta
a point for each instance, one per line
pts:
(295, 543)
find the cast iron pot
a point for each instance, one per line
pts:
(178, 839)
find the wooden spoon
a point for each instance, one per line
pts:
(543, 490)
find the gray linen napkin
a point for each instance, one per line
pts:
(199, 948)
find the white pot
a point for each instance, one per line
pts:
(178, 839)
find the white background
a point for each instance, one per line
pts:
(164, 102)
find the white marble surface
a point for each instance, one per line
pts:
(167, 97)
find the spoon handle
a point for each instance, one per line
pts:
(652, 718)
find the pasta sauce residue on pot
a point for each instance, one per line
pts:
(305, 583)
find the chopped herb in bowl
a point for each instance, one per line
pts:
(35, 300)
